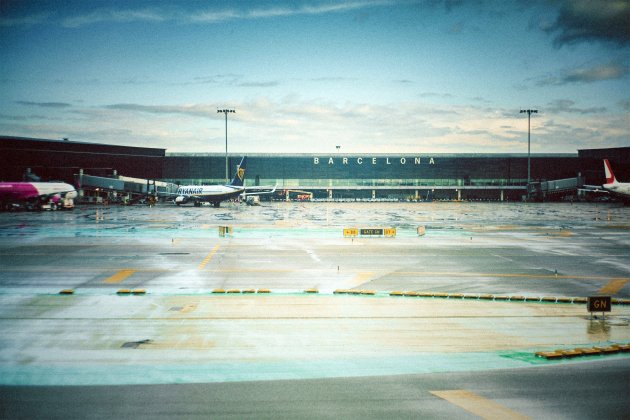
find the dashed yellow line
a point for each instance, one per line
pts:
(119, 276)
(189, 308)
(616, 281)
(478, 405)
(360, 278)
(208, 257)
(613, 286)
(257, 270)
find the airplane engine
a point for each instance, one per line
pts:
(181, 200)
(71, 194)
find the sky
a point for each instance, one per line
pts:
(318, 76)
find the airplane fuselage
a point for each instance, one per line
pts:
(613, 187)
(620, 189)
(207, 193)
(32, 192)
(214, 194)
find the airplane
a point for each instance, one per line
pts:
(612, 186)
(36, 195)
(215, 194)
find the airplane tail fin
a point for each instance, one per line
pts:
(239, 176)
(610, 176)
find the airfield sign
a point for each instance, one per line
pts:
(599, 304)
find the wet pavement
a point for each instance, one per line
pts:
(524, 256)
(280, 219)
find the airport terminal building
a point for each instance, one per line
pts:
(370, 176)
(62, 159)
(367, 176)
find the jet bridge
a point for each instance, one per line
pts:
(120, 188)
(555, 189)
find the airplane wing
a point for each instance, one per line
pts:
(259, 190)
(594, 189)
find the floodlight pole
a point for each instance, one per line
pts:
(529, 132)
(226, 112)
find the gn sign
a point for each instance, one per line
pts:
(599, 304)
(353, 232)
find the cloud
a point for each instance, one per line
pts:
(435, 95)
(296, 125)
(261, 84)
(13, 117)
(179, 13)
(285, 11)
(293, 125)
(568, 106)
(31, 117)
(24, 21)
(116, 16)
(328, 79)
(205, 111)
(236, 80)
(45, 104)
(592, 20)
(610, 71)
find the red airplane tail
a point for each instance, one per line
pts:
(610, 176)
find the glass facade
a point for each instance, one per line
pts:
(372, 171)
(377, 175)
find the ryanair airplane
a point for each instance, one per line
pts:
(214, 194)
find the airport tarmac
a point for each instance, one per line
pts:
(395, 318)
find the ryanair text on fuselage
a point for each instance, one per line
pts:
(374, 160)
(189, 190)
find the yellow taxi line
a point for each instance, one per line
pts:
(613, 286)
(478, 405)
(208, 257)
(617, 281)
(360, 278)
(119, 276)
